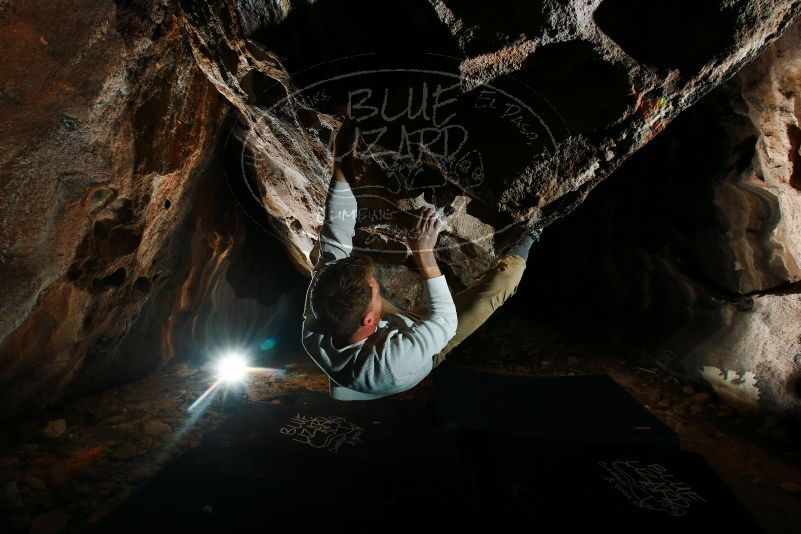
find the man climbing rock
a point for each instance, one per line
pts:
(368, 347)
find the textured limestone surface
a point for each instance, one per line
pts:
(542, 101)
(106, 126)
(759, 206)
(693, 245)
(113, 228)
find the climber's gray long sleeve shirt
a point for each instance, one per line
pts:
(398, 355)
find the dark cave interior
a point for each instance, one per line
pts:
(163, 192)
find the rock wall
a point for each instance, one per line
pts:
(107, 128)
(754, 359)
(694, 245)
(115, 230)
(550, 98)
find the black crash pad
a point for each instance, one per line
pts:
(642, 490)
(579, 409)
(310, 465)
(383, 465)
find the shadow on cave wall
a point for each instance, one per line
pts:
(588, 106)
(328, 40)
(613, 267)
(490, 27)
(316, 33)
(252, 300)
(662, 34)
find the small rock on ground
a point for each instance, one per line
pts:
(54, 428)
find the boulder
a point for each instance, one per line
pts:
(522, 111)
(693, 246)
(107, 127)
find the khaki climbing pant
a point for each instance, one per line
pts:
(475, 304)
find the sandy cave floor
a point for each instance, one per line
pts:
(113, 441)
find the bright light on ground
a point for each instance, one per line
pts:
(232, 368)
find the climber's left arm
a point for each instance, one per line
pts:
(336, 235)
(339, 225)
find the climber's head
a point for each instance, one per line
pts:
(346, 299)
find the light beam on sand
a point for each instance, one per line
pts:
(230, 369)
(204, 395)
(266, 370)
(199, 407)
(228, 378)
